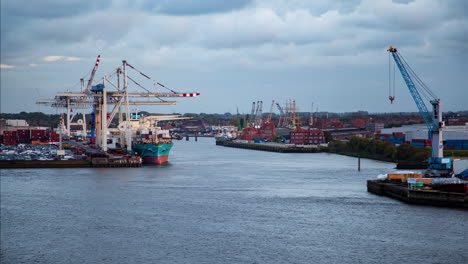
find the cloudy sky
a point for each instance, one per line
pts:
(329, 53)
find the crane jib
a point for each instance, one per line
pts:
(414, 92)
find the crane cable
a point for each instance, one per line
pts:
(146, 76)
(143, 87)
(427, 93)
(391, 81)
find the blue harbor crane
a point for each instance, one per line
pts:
(438, 165)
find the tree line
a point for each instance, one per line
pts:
(380, 150)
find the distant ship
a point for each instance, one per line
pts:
(220, 138)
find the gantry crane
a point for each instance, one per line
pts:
(437, 163)
(268, 119)
(281, 117)
(258, 114)
(252, 117)
(99, 97)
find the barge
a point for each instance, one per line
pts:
(418, 196)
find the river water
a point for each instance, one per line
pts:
(214, 204)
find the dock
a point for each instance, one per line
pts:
(29, 164)
(116, 162)
(281, 148)
(424, 197)
(87, 163)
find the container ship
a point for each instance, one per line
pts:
(153, 145)
(149, 141)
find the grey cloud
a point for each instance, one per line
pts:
(402, 1)
(316, 7)
(50, 8)
(194, 7)
(358, 26)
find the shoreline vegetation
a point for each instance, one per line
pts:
(385, 151)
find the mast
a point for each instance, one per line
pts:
(83, 111)
(128, 125)
(104, 118)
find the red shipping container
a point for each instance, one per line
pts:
(9, 140)
(38, 132)
(9, 133)
(249, 133)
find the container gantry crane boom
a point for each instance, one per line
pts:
(280, 122)
(268, 120)
(93, 72)
(259, 114)
(251, 117)
(433, 121)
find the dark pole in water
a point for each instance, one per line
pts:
(196, 138)
(187, 138)
(359, 163)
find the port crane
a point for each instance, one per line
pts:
(438, 165)
(251, 117)
(99, 97)
(268, 119)
(282, 115)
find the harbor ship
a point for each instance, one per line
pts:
(149, 141)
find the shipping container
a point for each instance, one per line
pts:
(404, 177)
(394, 177)
(9, 133)
(259, 139)
(426, 181)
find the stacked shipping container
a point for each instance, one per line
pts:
(457, 144)
(24, 136)
(9, 138)
(38, 135)
(421, 142)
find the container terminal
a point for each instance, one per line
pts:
(138, 139)
(134, 140)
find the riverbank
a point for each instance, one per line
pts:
(272, 147)
(404, 155)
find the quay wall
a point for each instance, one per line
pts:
(16, 164)
(94, 162)
(271, 148)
